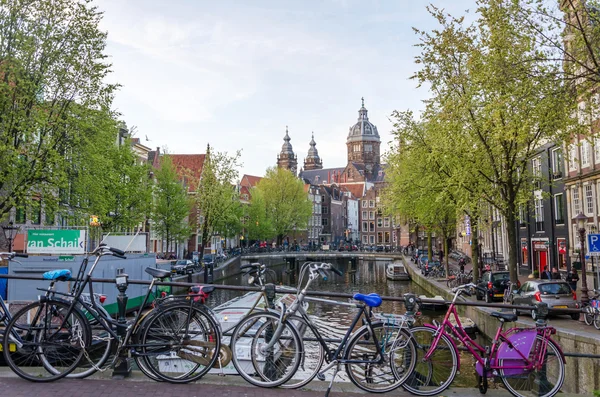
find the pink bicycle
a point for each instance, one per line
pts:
(527, 360)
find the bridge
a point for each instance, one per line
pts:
(323, 255)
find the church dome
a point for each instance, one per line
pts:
(287, 146)
(363, 130)
(312, 152)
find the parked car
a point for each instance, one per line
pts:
(491, 286)
(557, 294)
(182, 266)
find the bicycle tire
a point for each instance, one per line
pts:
(597, 321)
(537, 381)
(180, 343)
(98, 351)
(312, 357)
(431, 377)
(588, 317)
(257, 366)
(46, 352)
(399, 354)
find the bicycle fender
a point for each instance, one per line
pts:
(451, 341)
(522, 342)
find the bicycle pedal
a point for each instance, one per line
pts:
(321, 377)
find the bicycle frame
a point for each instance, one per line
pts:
(479, 352)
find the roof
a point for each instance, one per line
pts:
(356, 189)
(189, 168)
(324, 175)
(250, 180)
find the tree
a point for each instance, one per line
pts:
(259, 225)
(495, 100)
(52, 72)
(217, 200)
(171, 204)
(286, 202)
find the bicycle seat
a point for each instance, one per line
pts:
(57, 275)
(372, 300)
(207, 289)
(510, 317)
(158, 273)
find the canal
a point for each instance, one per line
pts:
(361, 276)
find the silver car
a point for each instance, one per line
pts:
(556, 293)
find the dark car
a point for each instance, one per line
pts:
(557, 294)
(182, 267)
(491, 286)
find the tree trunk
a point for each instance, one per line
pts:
(445, 248)
(512, 246)
(429, 247)
(475, 248)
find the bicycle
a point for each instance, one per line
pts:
(365, 353)
(53, 335)
(591, 312)
(527, 360)
(508, 291)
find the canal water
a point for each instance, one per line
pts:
(361, 276)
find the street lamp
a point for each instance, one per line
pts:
(581, 220)
(9, 233)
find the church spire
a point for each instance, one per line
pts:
(312, 160)
(286, 158)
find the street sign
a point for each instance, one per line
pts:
(468, 225)
(593, 244)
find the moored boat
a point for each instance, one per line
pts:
(396, 271)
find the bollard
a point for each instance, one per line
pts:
(270, 293)
(123, 368)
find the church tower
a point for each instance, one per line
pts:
(363, 144)
(287, 159)
(312, 160)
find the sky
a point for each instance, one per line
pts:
(234, 74)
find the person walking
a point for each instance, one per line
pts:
(441, 255)
(573, 278)
(555, 274)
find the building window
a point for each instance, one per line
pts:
(372, 203)
(365, 239)
(364, 215)
(596, 150)
(49, 215)
(365, 227)
(245, 197)
(557, 163)
(365, 204)
(589, 200)
(387, 237)
(575, 197)
(20, 215)
(386, 222)
(372, 239)
(572, 157)
(356, 147)
(536, 170)
(379, 238)
(522, 217)
(379, 222)
(539, 215)
(368, 148)
(324, 221)
(371, 226)
(36, 213)
(585, 153)
(324, 210)
(559, 209)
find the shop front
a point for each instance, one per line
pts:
(540, 254)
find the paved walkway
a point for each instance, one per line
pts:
(230, 386)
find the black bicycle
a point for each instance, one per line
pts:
(378, 357)
(176, 341)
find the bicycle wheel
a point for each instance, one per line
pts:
(588, 316)
(50, 344)
(432, 376)
(312, 357)
(180, 343)
(545, 381)
(254, 360)
(398, 351)
(98, 351)
(597, 321)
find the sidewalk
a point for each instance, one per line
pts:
(210, 385)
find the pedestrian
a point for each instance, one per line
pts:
(546, 274)
(573, 278)
(441, 255)
(461, 263)
(555, 274)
